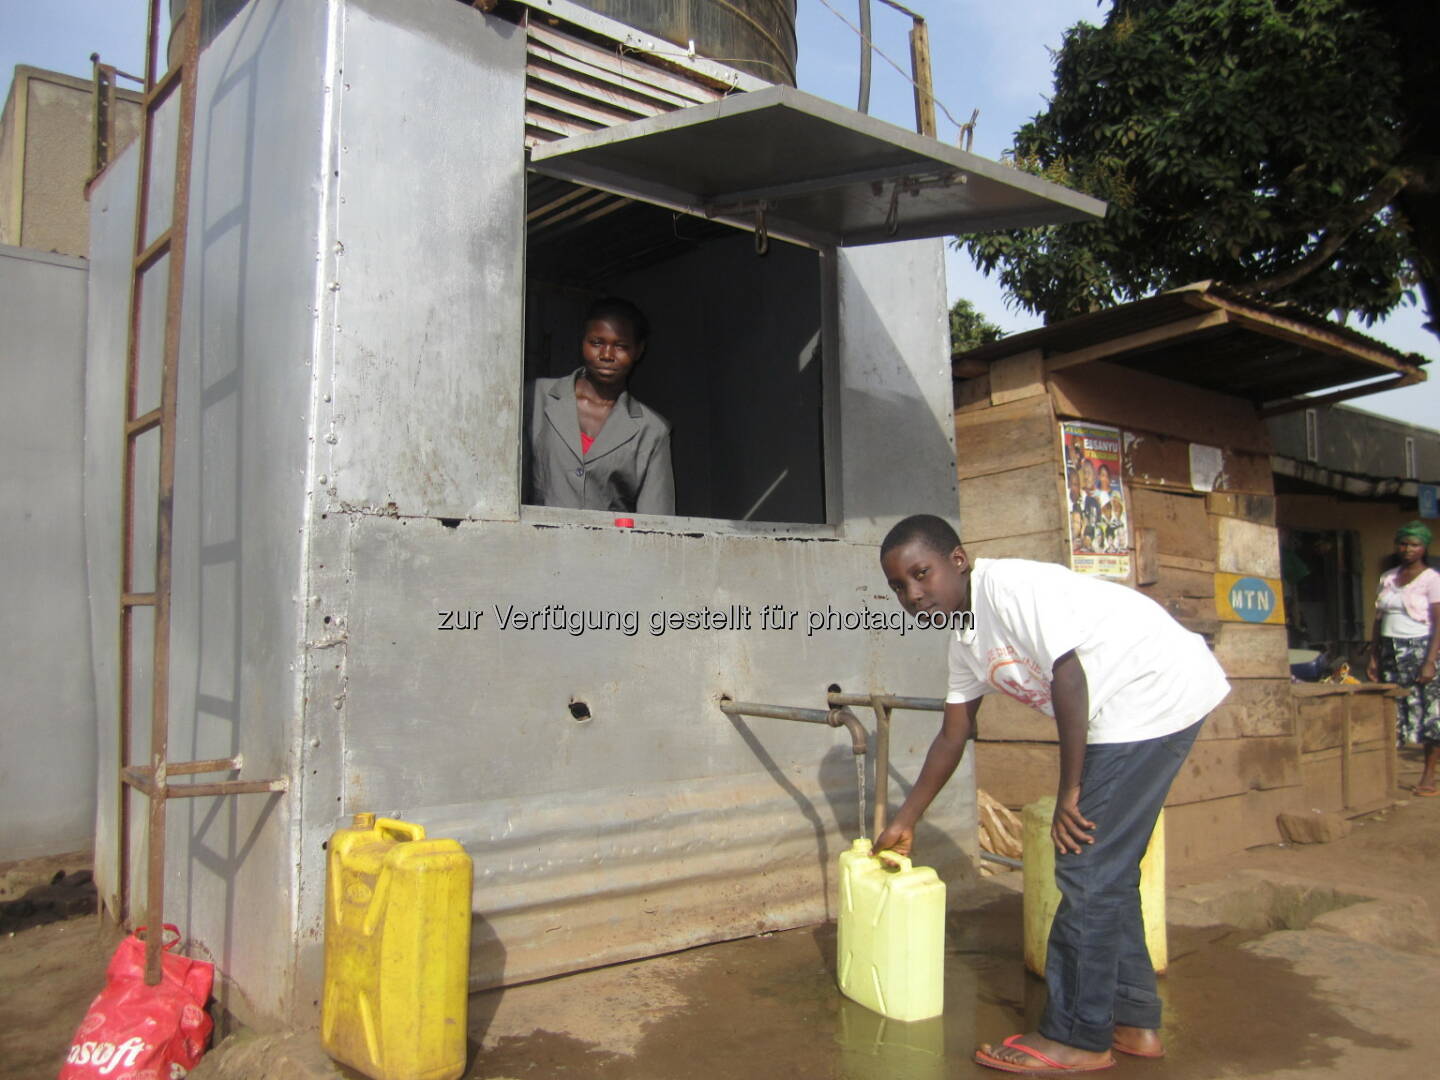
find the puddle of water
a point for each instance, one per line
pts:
(766, 1008)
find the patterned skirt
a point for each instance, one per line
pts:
(1417, 714)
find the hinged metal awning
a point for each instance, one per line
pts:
(792, 165)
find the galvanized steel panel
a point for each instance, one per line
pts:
(245, 437)
(580, 879)
(897, 428)
(658, 822)
(827, 174)
(426, 382)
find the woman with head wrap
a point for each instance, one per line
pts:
(1404, 644)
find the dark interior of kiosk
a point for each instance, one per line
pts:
(733, 361)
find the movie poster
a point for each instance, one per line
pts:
(1098, 509)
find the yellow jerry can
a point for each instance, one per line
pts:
(891, 939)
(1042, 898)
(397, 951)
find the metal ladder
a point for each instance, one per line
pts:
(153, 780)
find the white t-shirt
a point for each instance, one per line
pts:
(1147, 675)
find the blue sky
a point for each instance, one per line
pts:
(988, 55)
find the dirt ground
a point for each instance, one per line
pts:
(1239, 1003)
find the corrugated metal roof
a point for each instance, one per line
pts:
(1211, 336)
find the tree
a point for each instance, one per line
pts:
(969, 329)
(1288, 148)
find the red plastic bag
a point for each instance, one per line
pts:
(139, 1032)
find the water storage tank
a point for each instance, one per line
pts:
(755, 36)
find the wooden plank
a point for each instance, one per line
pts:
(972, 395)
(1347, 753)
(1181, 525)
(1017, 773)
(1147, 564)
(1367, 718)
(1252, 651)
(1215, 828)
(1322, 783)
(1243, 547)
(1219, 767)
(1008, 436)
(1199, 832)
(1012, 503)
(1319, 724)
(1016, 377)
(1048, 546)
(1155, 461)
(1247, 472)
(1179, 562)
(1141, 339)
(1257, 508)
(1370, 775)
(1196, 614)
(1003, 719)
(1259, 809)
(1174, 581)
(1253, 707)
(1137, 401)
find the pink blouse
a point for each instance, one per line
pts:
(1417, 596)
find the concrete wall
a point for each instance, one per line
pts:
(1354, 441)
(350, 391)
(46, 144)
(47, 723)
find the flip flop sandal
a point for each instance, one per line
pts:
(1425, 794)
(1046, 1067)
(1153, 1055)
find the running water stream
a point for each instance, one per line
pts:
(863, 829)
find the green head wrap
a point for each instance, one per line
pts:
(1416, 530)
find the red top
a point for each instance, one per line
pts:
(586, 441)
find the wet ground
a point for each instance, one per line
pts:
(1236, 1005)
(1360, 1001)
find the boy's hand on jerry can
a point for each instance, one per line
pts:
(896, 838)
(1069, 829)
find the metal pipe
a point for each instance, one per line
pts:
(836, 717)
(890, 701)
(864, 104)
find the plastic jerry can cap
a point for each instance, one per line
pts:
(364, 821)
(625, 523)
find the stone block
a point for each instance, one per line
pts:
(1316, 827)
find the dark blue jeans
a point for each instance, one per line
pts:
(1097, 969)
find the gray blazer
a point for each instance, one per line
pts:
(627, 469)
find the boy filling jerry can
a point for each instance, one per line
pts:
(891, 939)
(397, 951)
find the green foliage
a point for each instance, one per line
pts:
(969, 329)
(1229, 138)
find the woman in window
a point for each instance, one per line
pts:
(593, 445)
(1404, 644)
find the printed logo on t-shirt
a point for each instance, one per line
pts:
(1019, 677)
